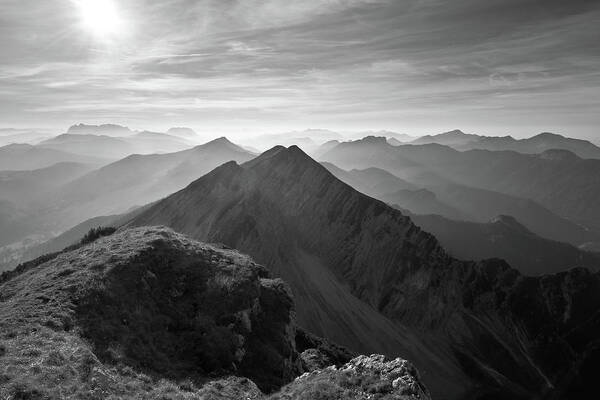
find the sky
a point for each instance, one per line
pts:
(493, 67)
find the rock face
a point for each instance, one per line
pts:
(366, 277)
(144, 303)
(364, 377)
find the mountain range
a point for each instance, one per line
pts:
(365, 272)
(25, 157)
(504, 237)
(532, 145)
(53, 199)
(365, 276)
(110, 147)
(555, 190)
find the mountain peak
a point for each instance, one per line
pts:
(220, 143)
(373, 139)
(456, 132)
(548, 135)
(280, 157)
(221, 139)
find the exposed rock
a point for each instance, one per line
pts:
(364, 377)
(318, 353)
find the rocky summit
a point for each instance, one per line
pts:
(149, 313)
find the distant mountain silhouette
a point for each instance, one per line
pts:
(139, 179)
(533, 145)
(25, 157)
(114, 148)
(431, 167)
(375, 151)
(384, 186)
(105, 129)
(391, 136)
(147, 142)
(309, 140)
(504, 237)
(25, 187)
(23, 196)
(90, 145)
(394, 142)
(371, 181)
(365, 276)
(186, 133)
(452, 138)
(480, 205)
(562, 182)
(28, 136)
(324, 148)
(54, 200)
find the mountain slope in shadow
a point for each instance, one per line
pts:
(504, 237)
(365, 276)
(484, 184)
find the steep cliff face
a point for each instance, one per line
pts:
(365, 276)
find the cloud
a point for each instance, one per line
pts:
(364, 64)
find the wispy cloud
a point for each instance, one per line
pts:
(502, 66)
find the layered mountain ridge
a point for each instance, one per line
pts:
(540, 143)
(343, 252)
(504, 237)
(564, 186)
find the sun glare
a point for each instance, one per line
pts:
(100, 17)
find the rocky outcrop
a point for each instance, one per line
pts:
(362, 378)
(144, 304)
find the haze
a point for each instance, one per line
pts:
(245, 67)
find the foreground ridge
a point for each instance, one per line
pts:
(149, 313)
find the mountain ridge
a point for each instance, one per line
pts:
(279, 208)
(532, 145)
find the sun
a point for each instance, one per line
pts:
(100, 17)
